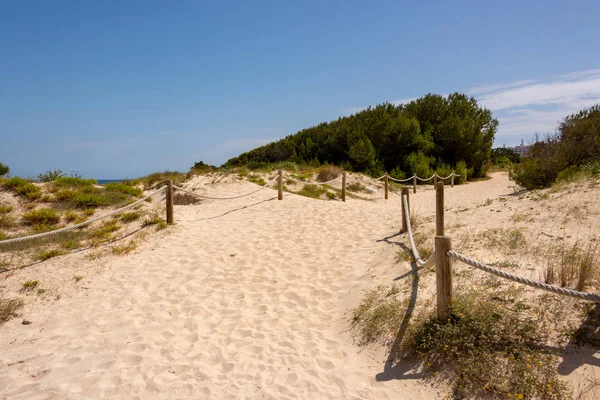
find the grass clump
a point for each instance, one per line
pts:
(152, 221)
(6, 221)
(28, 286)
(312, 191)
(328, 172)
(125, 248)
(257, 179)
(508, 240)
(23, 188)
(356, 188)
(9, 308)
(129, 216)
(74, 182)
(573, 264)
(489, 346)
(123, 188)
(378, 316)
(46, 255)
(42, 216)
(5, 208)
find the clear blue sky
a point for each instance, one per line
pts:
(118, 89)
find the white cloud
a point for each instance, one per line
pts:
(524, 108)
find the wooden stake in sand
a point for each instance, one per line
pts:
(439, 209)
(443, 274)
(280, 186)
(169, 196)
(405, 191)
(452, 179)
(435, 178)
(415, 183)
(344, 186)
(386, 186)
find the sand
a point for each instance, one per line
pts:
(247, 298)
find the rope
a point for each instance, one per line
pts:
(425, 180)
(449, 176)
(415, 252)
(89, 221)
(315, 183)
(226, 198)
(401, 180)
(380, 178)
(524, 281)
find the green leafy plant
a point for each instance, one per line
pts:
(50, 175)
(23, 188)
(4, 170)
(41, 216)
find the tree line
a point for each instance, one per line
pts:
(430, 133)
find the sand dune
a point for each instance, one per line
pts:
(245, 298)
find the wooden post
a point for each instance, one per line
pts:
(169, 201)
(405, 191)
(280, 186)
(415, 183)
(443, 277)
(466, 176)
(435, 178)
(439, 209)
(452, 179)
(386, 186)
(344, 186)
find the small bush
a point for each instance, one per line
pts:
(330, 195)
(46, 255)
(152, 221)
(444, 170)
(460, 169)
(71, 216)
(129, 216)
(122, 188)
(89, 200)
(420, 164)
(161, 225)
(397, 173)
(9, 308)
(488, 347)
(28, 286)
(104, 233)
(328, 173)
(65, 195)
(356, 187)
(23, 188)
(5, 209)
(4, 170)
(42, 216)
(3, 235)
(258, 180)
(50, 175)
(313, 191)
(74, 181)
(6, 221)
(378, 316)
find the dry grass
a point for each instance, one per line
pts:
(124, 249)
(328, 172)
(28, 286)
(48, 254)
(9, 308)
(572, 265)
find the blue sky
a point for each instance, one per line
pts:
(116, 89)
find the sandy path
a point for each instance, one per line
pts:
(243, 299)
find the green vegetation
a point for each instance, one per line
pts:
(422, 134)
(23, 187)
(125, 248)
(574, 151)
(9, 308)
(123, 188)
(574, 264)
(74, 182)
(312, 191)
(41, 216)
(50, 175)
(46, 255)
(4, 170)
(157, 180)
(328, 173)
(6, 221)
(356, 188)
(5, 209)
(28, 286)
(129, 216)
(492, 345)
(257, 179)
(503, 157)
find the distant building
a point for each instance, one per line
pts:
(521, 150)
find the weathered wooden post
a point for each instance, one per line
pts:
(415, 183)
(280, 186)
(386, 185)
(169, 197)
(435, 178)
(344, 186)
(405, 191)
(443, 274)
(439, 209)
(452, 179)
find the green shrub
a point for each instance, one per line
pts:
(357, 188)
(129, 216)
(444, 170)
(460, 169)
(64, 195)
(4, 170)
(28, 286)
(6, 221)
(257, 179)
(150, 181)
(152, 221)
(89, 200)
(330, 195)
(3, 235)
(313, 191)
(124, 249)
(5, 208)
(123, 188)
(50, 175)
(420, 164)
(488, 346)
(23, 187)
(74, 181)
(397, 173)
(42, 216)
